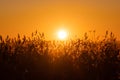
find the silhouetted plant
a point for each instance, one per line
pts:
(28, 58)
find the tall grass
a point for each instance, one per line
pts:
(35, 58)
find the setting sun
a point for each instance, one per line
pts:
(62, 34)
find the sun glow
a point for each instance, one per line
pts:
(62, 34)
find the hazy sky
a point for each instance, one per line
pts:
(48, 16)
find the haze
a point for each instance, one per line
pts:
(48, 16)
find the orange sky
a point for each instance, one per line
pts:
(48, 16)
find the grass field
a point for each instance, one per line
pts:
(35, 58)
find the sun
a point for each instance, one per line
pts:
(62, 34)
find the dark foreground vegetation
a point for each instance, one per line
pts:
(34, 58)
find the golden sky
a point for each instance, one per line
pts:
(48, 16)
